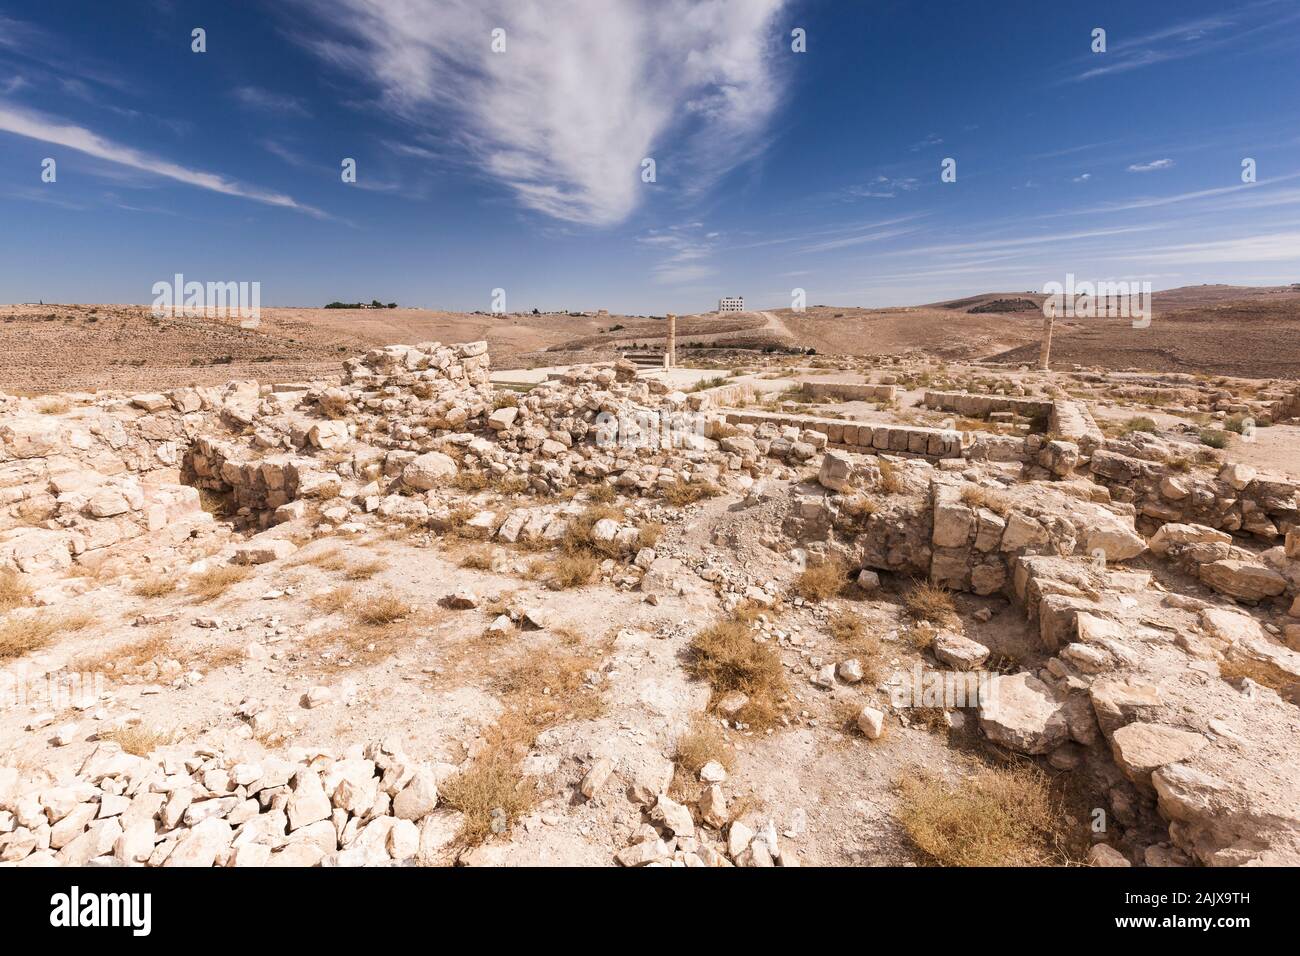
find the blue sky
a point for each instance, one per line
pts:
(522, 169)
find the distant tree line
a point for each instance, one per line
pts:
(374, 304)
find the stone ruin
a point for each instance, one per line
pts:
(1156, 588)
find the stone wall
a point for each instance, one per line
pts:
(933, 443)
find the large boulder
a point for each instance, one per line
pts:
(1022, 713)
(430, 470)
(1242, 580)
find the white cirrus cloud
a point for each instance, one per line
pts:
(582, 94)
(48, 129)
(1153, 166)
(256, 98)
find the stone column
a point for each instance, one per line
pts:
(1045, 349)
(670, 354)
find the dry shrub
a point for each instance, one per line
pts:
(470, 481)
(684, 493)
(214, 582)
(930, 602)
(852, 634)
(121, 660)
(381, 610)
(364, 570)
(821, 581)
(726, 655)
(648, 534)
(979, 497)
(156, 586)
(891, 482)
(579, 532)
(22, 635)
(333, 601)
(480, 559)
(602, 493)
(329, 560)
(14, 591)
(138, 740)
(536, 695)
(858, 509)
(569, 571)
(921, 635)
(703, 742)
(998, 816)
(53, 405)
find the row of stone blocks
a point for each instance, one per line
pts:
(867, 437)
(850, 391)
(973, 406)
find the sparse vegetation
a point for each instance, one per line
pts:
(138, 739)
(14, 591)
(929, 602)
(216, 581)
(1214, 437)
(821, 581)
(22, 635)
(996, 816)
(1139, 424)
(686, 493)
(726, 655)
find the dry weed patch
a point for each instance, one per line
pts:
(821, 581)
(214, 582)
(998, 816)
(727, 656)
(536, 695)
(22, 635)
(930, 602)
(139, 740)
(14, 591)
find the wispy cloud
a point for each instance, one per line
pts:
(882, 187)
(689, 83)
(1153, 166)
(1189, 38)
(687, 250)
(1269, 247)
(265, 101)
(1082, 178)
(51, 130)
(932, 140)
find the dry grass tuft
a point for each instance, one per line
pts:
(979, 497)
(14, 591)
(851, 633)
(648, 534)
(480, 559)
(703, 742)
(579, 533)
(333, 601)
(998, 816)
(121, 660)
(726, 655)
(216, 581)
(155, 587)
(930, 602)
(569, 571)
(381, 610)
(22, 635)
(536, 695)
(684, 493)
(891, 482)
(364, 570)
(139, 740)
(53, 405)
(821, 581)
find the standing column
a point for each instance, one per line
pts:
(1045, 349)
(670, 355)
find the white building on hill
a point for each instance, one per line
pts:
(733, 303)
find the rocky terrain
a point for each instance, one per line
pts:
(790, 611)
